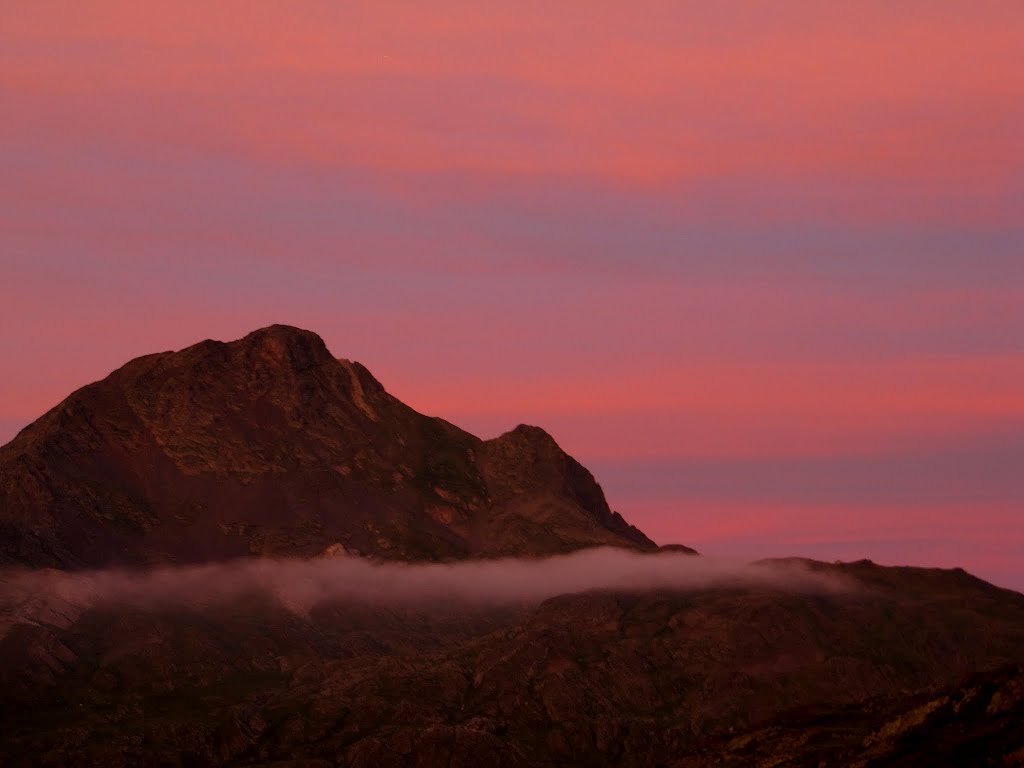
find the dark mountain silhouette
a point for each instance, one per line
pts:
(271, 446)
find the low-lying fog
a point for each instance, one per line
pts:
(300, 584)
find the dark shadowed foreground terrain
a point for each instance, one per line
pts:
(776, 664)
(250, 554)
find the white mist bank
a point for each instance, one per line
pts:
(298, 585)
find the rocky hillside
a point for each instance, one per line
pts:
(910, 667)
(271, 446)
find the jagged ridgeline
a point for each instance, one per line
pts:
(269, 445)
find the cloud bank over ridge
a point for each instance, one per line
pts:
(299, 585)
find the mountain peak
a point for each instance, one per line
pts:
(533, 434)
(287, 345)
(270, 350)
(279, 333)
(528, 457)
(269, 445)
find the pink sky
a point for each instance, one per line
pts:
(759, 265)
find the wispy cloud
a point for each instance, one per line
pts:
(299, 585)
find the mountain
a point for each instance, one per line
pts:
(271, 446)
(159, 604)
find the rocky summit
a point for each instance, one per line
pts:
(271, 446)
(250, 554)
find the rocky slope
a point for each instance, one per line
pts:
(909, 666)
(271, 446)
